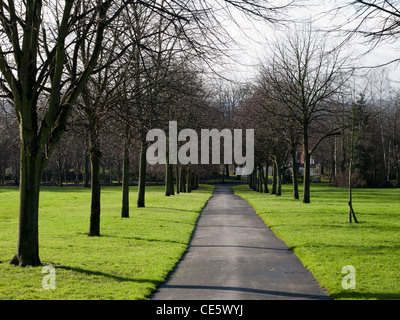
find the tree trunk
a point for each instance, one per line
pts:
(188, 182)
(351, 211)
(306, 179)
(278, 177)
(249, 177)
(294, 175)
(306, 155)
(59, 173)
(125, 182)
(31, 169)
(257, 175)
(261, 174)
(182, 179)
(177, 175)
(142, 176)
(169, 180)
(350, 187)
(266, 178)
(274, 177)
(95, 156)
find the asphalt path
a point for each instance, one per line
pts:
(233, 255)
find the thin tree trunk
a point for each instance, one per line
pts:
(59, 172)
(178, 183)
(188, 177)
(279, 177)
(352, 146)
(274, 177)
(266, 178)
(261, 173)
(125, 181)
(294, 175)
(142, 176)
(169, 181)
(306, 178)
(95, 156)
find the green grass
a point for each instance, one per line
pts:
(320, 235)
(128, 261)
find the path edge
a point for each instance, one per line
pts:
(173, 270)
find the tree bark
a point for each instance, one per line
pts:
(278, 164)
(59, 172)
(274, 177)
(261, 173)
(266, 178)
(177, 175)
(351, 210)
(306, 155)
(294, 175)
(182, 179)
(31, 170)
(125, 181)
(142, 176)
(169, 180)
(188, 182)
(352, 148)
(95, 156)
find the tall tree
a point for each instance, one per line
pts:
(303, 73)
(38, 46)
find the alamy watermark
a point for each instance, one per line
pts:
(349, 281)
(188, 153)
(49, 280)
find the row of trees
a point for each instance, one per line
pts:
(308, 99)
(95, 76)
(103, 66)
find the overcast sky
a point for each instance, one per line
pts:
(253, 36)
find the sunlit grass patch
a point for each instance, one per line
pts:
(320, 235)
(128, 261)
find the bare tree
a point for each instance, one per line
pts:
(38, 45)
(302, 75)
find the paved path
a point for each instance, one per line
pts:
(233, 255)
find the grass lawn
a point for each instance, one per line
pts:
(128, 261)
(320, 235)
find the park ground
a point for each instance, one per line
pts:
(321, 236)
(133, 256)
(128, 261)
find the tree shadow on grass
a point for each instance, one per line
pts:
(145, 239)
(110, 276)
